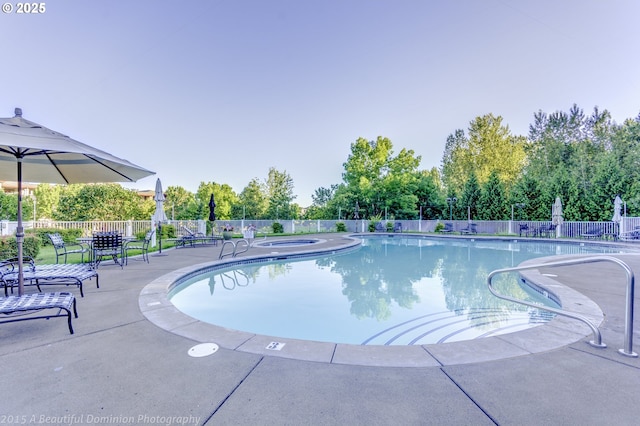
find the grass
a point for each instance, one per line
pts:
(47, 254)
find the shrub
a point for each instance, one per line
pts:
(9, 246)
(374, 221)
(389, 227)
(68, 235)
(277, 228)
(341, 227)
(439, 227)
(168, 231)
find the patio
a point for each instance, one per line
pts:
(120, 368)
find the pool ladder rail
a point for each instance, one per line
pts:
(597, 338)
(240, 246)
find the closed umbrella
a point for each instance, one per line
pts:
(617, 210)
(43, 155)
(356, 214)
(556, 214)
(212, 209)
(159, 215)
(617, 213)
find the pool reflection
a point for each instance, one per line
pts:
(390, 291)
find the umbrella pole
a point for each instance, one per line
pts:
(20, 231)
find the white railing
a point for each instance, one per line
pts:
(491, 227)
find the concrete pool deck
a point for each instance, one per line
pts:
(120, 367)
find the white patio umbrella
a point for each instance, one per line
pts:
(556, 214)
(159, 216)
(617, 213)
(43, 155)
(617, 210)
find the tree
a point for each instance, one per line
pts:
(252, 201)
(470, 198)
(47, 197)
(492, 202)
(489, 148)
(533, 203)
(102, 202)
(322, 200)
(279, 188)
(225, 198)
(181, 202)
(377, 180)
(430, 196)
(8, 206)
(453, 170)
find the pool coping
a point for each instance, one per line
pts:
(559, 332)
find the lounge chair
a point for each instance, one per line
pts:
(14, 308)
(380, 227)
(45, 274)
(190, 238)
(64, 249)
(397, 227)
(139, 245)
(471, 228)
(448, 227)
(592, 232)
(548, 230)
(633, 235)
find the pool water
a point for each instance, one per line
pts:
(390, 291)
(287, 243)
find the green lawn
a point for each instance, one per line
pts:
(48, 255)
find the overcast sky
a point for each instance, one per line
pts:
(220, 91)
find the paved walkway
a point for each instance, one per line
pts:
(124, 366)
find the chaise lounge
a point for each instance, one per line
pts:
(548, 230)
(471, 228)
(46, 274)
(592, 232)
(16, 308)
(190, 238)
(448, 227)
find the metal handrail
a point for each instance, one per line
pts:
(235, 245)
(597, 341)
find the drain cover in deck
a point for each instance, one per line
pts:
(203, 349)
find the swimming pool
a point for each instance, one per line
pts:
(391, 291)
(289, 243)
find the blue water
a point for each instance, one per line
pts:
(391, 291)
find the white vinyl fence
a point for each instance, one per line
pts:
(490, 227)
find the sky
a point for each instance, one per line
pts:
(223, 90)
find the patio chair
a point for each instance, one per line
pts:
(380, 227)
(139, 245)
(397, 227)
(45, 274)
(471, 228)
(107, 244)
(64, 249)
(525, 229)
(448, 227)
